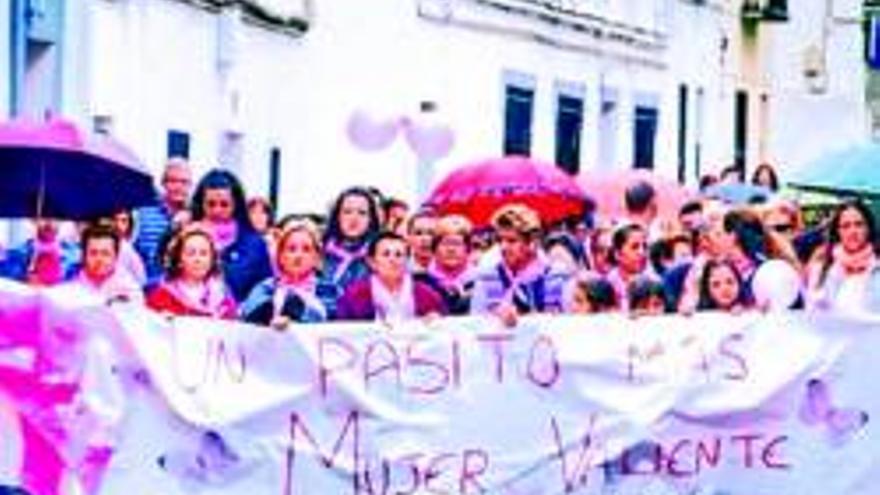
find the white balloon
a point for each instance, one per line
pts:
(371, 133)
(429, 141)
(776, 285)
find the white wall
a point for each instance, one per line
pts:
(155, 65)
(805, 125)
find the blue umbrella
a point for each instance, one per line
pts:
(738, 193)
(55, 170)
(853, 170)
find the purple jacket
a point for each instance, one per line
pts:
(357, 301)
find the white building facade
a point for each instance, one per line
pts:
(269, 88)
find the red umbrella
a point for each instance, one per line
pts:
(477, 190)
(609, 188)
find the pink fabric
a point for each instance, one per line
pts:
(44, 353)
(46, 268)
(224, 233)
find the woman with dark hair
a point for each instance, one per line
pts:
(591, 294)
(847, 277)
(646, 296)
(722, 288)
(295, 293)
(219, 203)
(354, 222)
(390, 293)
(629, 257)
(765, 176)
(261, 214)
(193, 285)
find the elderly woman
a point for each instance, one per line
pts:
(296, 293)
(847, 278)
(451, 272)
(390, 293)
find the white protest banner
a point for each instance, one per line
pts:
(710, 404)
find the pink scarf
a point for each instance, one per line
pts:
(224, 233)
(346, 256)
(451, 281)
(46, 268)
(209, 297)
(854, 263)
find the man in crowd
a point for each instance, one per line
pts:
(154, 222)
(99, 273)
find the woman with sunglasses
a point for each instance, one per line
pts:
(390, 293)
(296, 293)
(219, 203)
(847, 277)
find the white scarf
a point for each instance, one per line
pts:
(399, 306)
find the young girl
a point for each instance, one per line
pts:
(193, 284)
(646, 297)
(722, 288)
(593, 295)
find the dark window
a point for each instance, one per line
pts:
(872, 39)
(741, 129)
(178, 144)
(274, 176)
(644, 136)
(682, 132)
(518, 120)
(569, 121)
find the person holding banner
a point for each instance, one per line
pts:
(847, 278)
(522, 281)
(296, 293)
(100, 273)
(193, 283)
(390, 293)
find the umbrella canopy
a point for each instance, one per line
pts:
(855, 170)
(56, 170)
(477, 190)
(608, 189)
(738, 193)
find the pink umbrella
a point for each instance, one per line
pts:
(54, 169)
(609, 188)
(477, 190)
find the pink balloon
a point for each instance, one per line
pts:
(430, 142)
(369, 133)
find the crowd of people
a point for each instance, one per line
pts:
(211, 252)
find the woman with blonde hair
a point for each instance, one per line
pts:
(296, 293)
